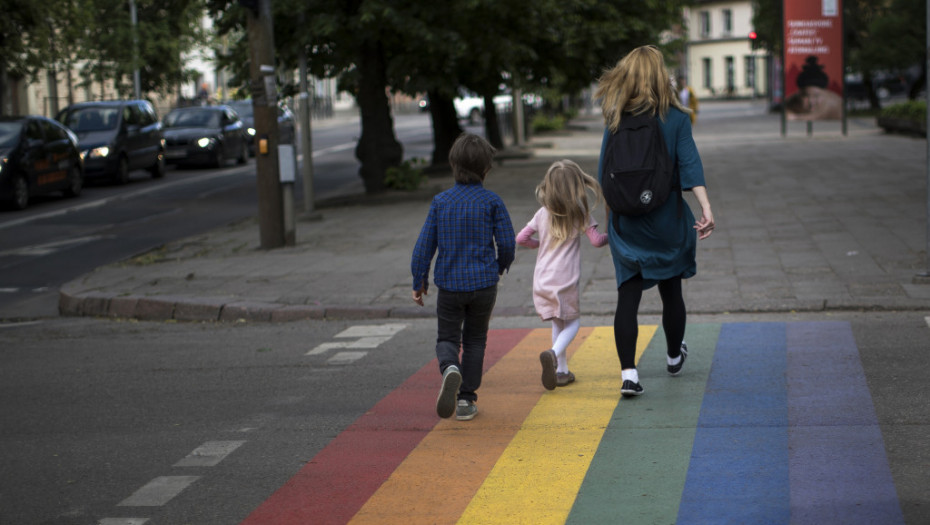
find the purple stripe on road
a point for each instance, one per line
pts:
(837, 464)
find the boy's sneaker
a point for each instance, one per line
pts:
(549, 364)
(630, 389)
(676, 369)
(451, 380)
(466, 410)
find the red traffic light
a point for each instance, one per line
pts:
(752, 35)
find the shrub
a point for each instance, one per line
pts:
(543, 122)
(406, 177)
(910, 110)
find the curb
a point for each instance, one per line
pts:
(185, 309)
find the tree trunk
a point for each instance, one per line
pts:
(378, 148)
(918, 83)
(492, 128)
(445, 126)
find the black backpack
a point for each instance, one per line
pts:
(638, 172)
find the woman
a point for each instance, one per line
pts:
(657, 248)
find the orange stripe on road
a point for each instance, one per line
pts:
(437, 481)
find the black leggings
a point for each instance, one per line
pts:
(626, 324)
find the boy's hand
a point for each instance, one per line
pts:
(418, 296)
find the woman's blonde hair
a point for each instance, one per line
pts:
(638, 84)
(565, 192)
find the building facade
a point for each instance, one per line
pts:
(720, 60)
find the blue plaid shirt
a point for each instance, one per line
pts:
(464, 224)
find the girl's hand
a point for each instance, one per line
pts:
(705, 225)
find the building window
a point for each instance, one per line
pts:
(731, 75)
(708, 77)
(705, 23)
(750, 71)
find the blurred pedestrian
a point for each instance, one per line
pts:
(470, 228)
(565, 214)
(688, 98)
(657, 248)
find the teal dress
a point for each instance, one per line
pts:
(660, 245)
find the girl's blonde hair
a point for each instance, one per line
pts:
(565, 192)
(638, 84)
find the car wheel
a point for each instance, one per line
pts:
(122, 171)
(243, 153)
(75, 182)
(158, 169)
(20, 193)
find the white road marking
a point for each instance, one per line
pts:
(17, 325)
(52, 247)
(334, 149)
(371, 330)
(365, 342)
(209, 454)
(158, 491)
(9, 290)
(928, 320)
(122, 521)
(345, 358)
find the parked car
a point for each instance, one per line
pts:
(37, 155)
(205, 135)
(285, 122)
(470, 107)
(117, 137)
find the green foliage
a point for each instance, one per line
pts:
(910, 110)
(543, 122)
(408, 176)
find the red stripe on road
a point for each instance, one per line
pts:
(335, 484)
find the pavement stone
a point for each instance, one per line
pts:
(805, 223)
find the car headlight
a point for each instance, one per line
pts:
(251, 131)
(100, 152)
(205, 142)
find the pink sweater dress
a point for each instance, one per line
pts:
(558, 269)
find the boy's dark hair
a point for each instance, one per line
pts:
(470, 157)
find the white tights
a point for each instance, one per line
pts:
(563, 333)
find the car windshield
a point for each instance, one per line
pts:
(244, 109)
(9, 133)
(197, 118)
(92, 119)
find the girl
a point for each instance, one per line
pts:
(564, 215)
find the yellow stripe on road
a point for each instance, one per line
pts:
(438, 479)
(537, 477)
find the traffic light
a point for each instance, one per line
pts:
(754, 41)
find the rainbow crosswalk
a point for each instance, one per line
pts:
(769, 423)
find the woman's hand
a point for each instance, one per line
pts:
(705, 225)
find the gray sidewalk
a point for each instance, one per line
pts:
(826, 222)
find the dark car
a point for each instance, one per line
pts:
(37, 155)
(117, 137)
(285, 122)
(205, 135)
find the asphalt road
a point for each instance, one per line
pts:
(56, 240)
(207, 421)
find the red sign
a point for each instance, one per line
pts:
(814, 59)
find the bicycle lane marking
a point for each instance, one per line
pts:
(335, 484)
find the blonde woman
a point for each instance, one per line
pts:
(565, 194)
(657, 248)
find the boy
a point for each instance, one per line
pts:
(464, 224)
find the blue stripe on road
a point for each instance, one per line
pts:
(739, 462)
(838, 468)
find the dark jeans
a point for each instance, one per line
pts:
(463, 322)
